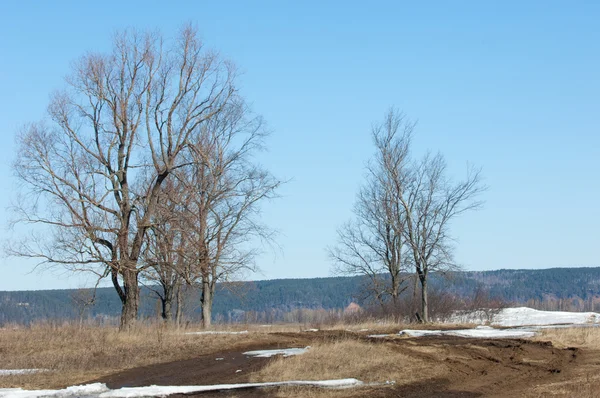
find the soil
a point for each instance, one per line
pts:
(472, 367)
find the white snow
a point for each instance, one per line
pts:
(89, 390)
(523, 316)
(420, 333)
(286, 352)
(218, 332)
(10, 372)
(478, 332)
(311, 330)
(100, 390)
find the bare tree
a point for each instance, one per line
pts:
(373, 243)
(403, 213)
(431, 201)
(82, 299)
(220, 203)
(92, 176)
(164, 254)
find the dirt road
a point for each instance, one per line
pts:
(471, 367)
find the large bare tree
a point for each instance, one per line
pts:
(92, 174)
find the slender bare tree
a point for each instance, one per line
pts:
(92, 175)
(220, 206)
(373, 243)
(164, 254)
(431, 201)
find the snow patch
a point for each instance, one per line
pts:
(479, 332)
(100, 390)
(89, 390)
(286, 352)
(10, 372)
(523, 316)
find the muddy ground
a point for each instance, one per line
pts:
(472, 367)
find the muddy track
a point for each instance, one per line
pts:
(480, 367)
(469, 367)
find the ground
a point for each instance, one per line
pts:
(556, 363)
(457, 367)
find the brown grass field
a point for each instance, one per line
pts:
(556, 363)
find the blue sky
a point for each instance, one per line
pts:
(511, 86)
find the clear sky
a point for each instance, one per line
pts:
(511, 86)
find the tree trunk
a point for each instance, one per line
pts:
(424, 303)
(167, 304)
(130, 299)
(179, 309)
(395, 290)
(206, 303)
(415, 299)
(166, 301)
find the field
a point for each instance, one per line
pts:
(561, 362)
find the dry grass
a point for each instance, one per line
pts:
(391, 327)
(581, 337)
(584, 381)
(366, 361)
(75, 355)
(580, 387)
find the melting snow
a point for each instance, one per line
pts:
(100, 390)
(479, 332)
(10, 372)
(286, 352)
(524, 316)
(89, 390)
(528, 316)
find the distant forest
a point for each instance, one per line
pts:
(576, 289)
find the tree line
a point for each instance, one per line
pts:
(144, 172)
(562, 289)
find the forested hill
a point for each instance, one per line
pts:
(581, 285)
